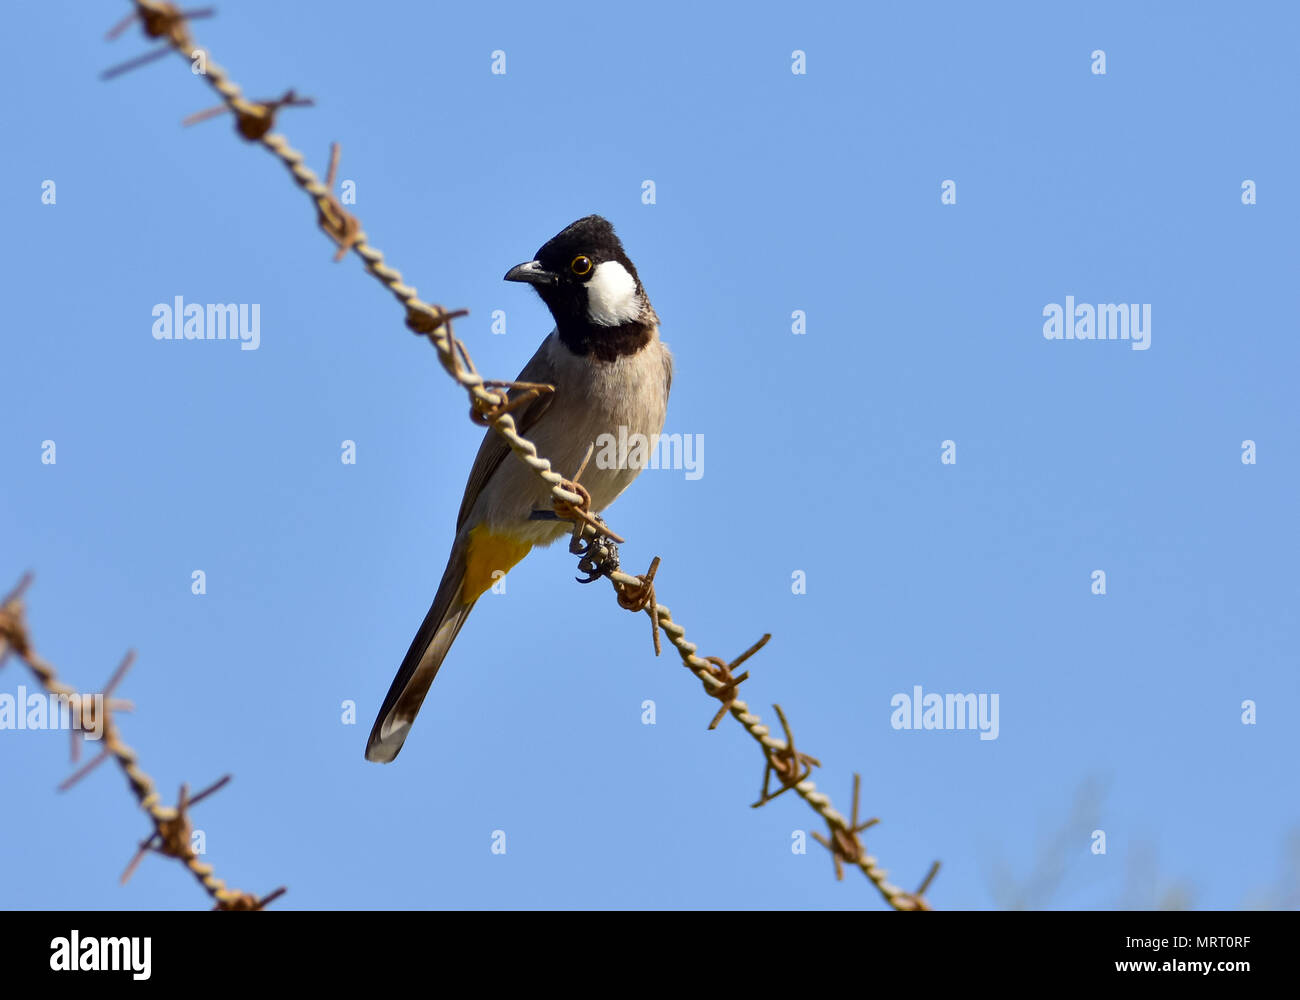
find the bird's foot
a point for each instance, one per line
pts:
(598, 555)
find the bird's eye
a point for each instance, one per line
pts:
(581, 265)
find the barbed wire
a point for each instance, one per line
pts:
(491, 405)
(172, 830)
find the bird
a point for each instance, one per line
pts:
(610, 370)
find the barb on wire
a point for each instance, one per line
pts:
(256, 122)
(727, 682)
(173, 835)
(529, 391)
(790, 766)
(86, 710)
(491, 402)
(172, 830)
(642, 598)
(161, 20)
(338, 224)
(845, 843)
(579, 511)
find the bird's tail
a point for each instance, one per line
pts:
(451, 606)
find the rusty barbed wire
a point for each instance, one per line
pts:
(172, 829)
(789, 766)
(254, 121)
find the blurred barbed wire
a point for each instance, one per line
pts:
(93, 712)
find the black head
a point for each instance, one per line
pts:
(592, 290)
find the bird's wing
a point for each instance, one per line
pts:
(494, 449)
(450, 606)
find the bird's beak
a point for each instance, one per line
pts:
(533, 273)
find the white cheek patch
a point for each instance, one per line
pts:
(611, 295)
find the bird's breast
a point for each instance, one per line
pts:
(617, 408)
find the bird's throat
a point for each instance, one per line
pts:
(605, 343)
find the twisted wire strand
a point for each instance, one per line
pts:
(895, 896)
(254, 120)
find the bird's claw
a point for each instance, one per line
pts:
(598, 556)
(579, 545)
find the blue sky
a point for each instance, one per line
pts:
(775, 192)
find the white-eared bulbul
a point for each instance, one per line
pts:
(610, 370)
